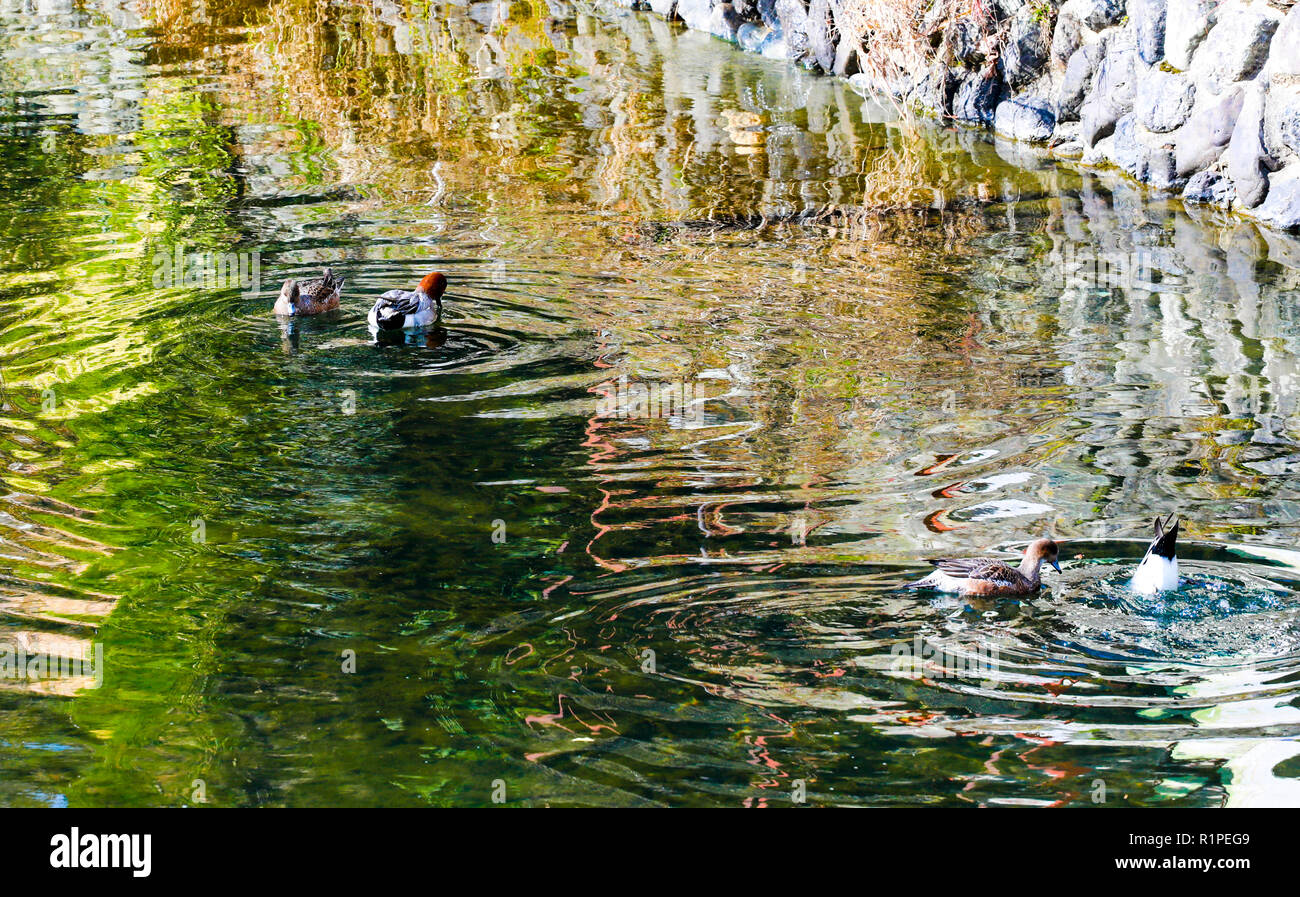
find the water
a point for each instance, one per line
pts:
(506, 556)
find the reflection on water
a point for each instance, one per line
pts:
(727, 353)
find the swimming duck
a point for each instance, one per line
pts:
(990, 577)
(311, 297)
(1158, 571)
(406, 310)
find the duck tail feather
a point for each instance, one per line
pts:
(1165, 543)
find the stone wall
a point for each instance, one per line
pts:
(1196, 97)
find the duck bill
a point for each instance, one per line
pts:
(1055, 566)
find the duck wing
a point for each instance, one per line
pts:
(393, 308)
(990, 569)
(321, 289)
(315, 291)
(399, 302)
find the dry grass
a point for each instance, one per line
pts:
(893, 38)
(887, 34)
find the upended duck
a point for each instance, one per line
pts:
(406, 309)
(1158, 571)
(310, 297)
(990, 577)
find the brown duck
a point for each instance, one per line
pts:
(311, 297)
(990, 577)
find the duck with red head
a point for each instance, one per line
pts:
(410, 309)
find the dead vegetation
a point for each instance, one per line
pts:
(893, 40)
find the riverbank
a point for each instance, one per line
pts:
(1194, 98)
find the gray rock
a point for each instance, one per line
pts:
(1148, 18)
(1285, 59)
(1126, 152)
(1076, 20)
(1282, 208)
(792, 17)
(695, 13)
(1065, 140)
(1025, 52)
(1248, 163)
(796, 47)
(1099, 153)
(775, 47)
(1099, 14)
(1028, 118)
(1163, 100)
(934, 93)
(1067, 37)
(846, 45)
(1077, 79)
(1211, 188)
(1116, 75)
(1096, 121)
(1237, 45)
(664, 8)
(1186, 24)
(1208, 130)
(1162, 171)
(751, 37)
(1282, 120)
(1112, 94)
(724, 21)
(820, 43)
(963, 39)
(846, 55)
(1142, 157)
(976, 99)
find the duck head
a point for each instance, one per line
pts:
(1044, 551)
(287, 302)
(433, 285)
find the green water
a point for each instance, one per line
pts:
(325, 571)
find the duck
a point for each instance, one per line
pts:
(990, 577)
(1158, 571)
(407, 310)
(311, 297)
